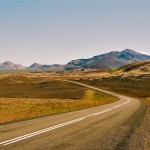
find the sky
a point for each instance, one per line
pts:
(58, 31)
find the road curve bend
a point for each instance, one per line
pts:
(98, 128)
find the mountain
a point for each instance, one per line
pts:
(113, 59)
(10, 66)
(37, 66)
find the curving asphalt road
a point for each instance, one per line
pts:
(105, 127)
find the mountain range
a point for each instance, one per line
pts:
(113, 59)
(11, 66)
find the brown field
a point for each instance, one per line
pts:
(25, 96)
(26, 87)
(138, 87)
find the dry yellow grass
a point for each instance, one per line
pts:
(22, 108)
(146, 100)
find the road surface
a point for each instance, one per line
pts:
(105, 127)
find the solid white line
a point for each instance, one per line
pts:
(58, 126)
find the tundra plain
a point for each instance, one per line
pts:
(30, 96)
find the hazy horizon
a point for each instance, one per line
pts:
(58, 31)
(61, 63)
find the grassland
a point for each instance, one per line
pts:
(23, 97)
(26, 87)
(33, 95)
(133, 86)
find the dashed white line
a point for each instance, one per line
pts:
(20, 138)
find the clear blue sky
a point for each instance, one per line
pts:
(57, 31)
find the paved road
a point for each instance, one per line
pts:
(104, 127)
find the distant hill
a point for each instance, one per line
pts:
(142, 66)
(37, 66)
(10, 66)
(110, 60)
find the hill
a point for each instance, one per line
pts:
(37, 66)
(141, 67)
(113, 59)
(10, 66)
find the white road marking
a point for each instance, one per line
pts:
(20, 138)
